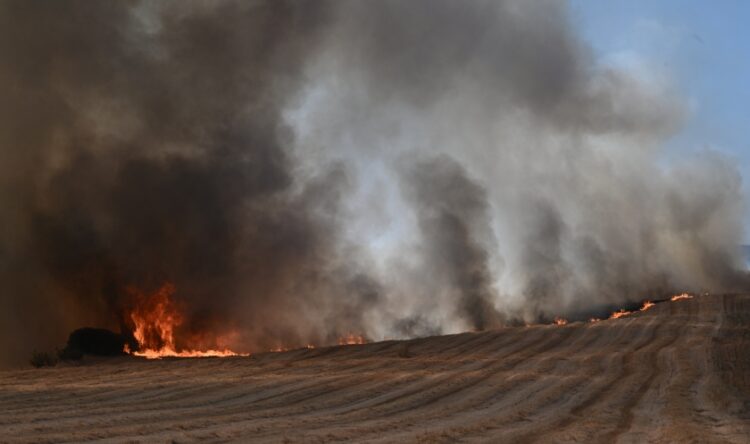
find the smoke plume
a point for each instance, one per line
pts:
(301, 170)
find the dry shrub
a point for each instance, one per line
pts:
(43, 359)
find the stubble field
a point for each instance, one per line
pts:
(679, 372)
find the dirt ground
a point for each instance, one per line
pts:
(679, 372)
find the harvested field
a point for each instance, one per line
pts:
(679, 372)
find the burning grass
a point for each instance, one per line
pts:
(680, 296)
(621, 313)
(156, 318)
(352, 339)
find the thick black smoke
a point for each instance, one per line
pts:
(299, 170)
(143, 144)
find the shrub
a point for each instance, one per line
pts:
(43, 359)
(94, 341)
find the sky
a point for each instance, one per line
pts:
(702, 48)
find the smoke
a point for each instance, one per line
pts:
(300, 170)
(453, 221)
(143, 144)
(559, 201)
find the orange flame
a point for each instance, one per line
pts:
(352, 339)
(621, 313)
(283, 348)
(680, 296)
(155, 319)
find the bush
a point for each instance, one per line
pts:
(94, 341)
(43, 359)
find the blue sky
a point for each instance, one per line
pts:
(703, 47)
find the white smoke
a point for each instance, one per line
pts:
(566, 152)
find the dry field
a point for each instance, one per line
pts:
(679, 372)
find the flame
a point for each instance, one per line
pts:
(283, 348)
(621, 313)
(155, 319)
(352, 339)
(680, 296)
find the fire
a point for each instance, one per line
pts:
(680, 296)
(155, 319)
(621, 313)
(282, 348)
(352, 339)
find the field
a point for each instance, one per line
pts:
(679, 372)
